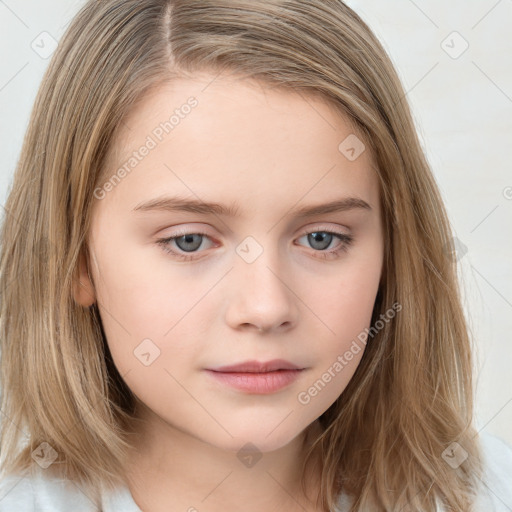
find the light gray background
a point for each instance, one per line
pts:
(462, 104)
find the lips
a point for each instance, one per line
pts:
(257, 377)
(257, 367)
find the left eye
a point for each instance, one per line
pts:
(191, 242)
(318, 239)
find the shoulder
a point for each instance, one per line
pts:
(38, 492)
(495, 494)
(42, 492)
(495, 490)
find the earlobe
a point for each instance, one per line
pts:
(83, 287)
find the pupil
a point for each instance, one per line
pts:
(189, 239)
(319, 237)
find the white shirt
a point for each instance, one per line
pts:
(39, 493)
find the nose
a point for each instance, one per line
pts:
(261, 296)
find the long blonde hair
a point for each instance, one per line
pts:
(411, 396)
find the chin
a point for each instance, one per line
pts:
(265, 438)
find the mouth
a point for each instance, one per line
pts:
(257, 367)
(255, 377)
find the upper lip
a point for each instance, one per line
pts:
(258, 367)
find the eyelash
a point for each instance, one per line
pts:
(346, 241)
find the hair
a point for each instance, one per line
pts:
(412, 394)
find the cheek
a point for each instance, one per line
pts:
(140, 291)
(142, 312)
(346, 304)
(147, 325)
(149, 339)
(345, 310)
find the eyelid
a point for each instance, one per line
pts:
(324, 227)
(313, 226)
(182, 231)
(346, 240)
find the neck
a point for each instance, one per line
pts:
(168, 467)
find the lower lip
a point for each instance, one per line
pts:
(261, 383)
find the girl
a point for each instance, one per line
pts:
(308, 351)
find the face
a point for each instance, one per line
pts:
(260, 269)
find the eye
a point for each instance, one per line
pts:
(186, 242)
(319, 239)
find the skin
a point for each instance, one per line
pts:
(271, 151)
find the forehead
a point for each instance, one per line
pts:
(248, 102)
(218, 136)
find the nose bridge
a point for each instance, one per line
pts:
(259, 259)
(262, 296)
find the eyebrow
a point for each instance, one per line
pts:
(178, 204)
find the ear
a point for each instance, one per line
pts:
(83, 287)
